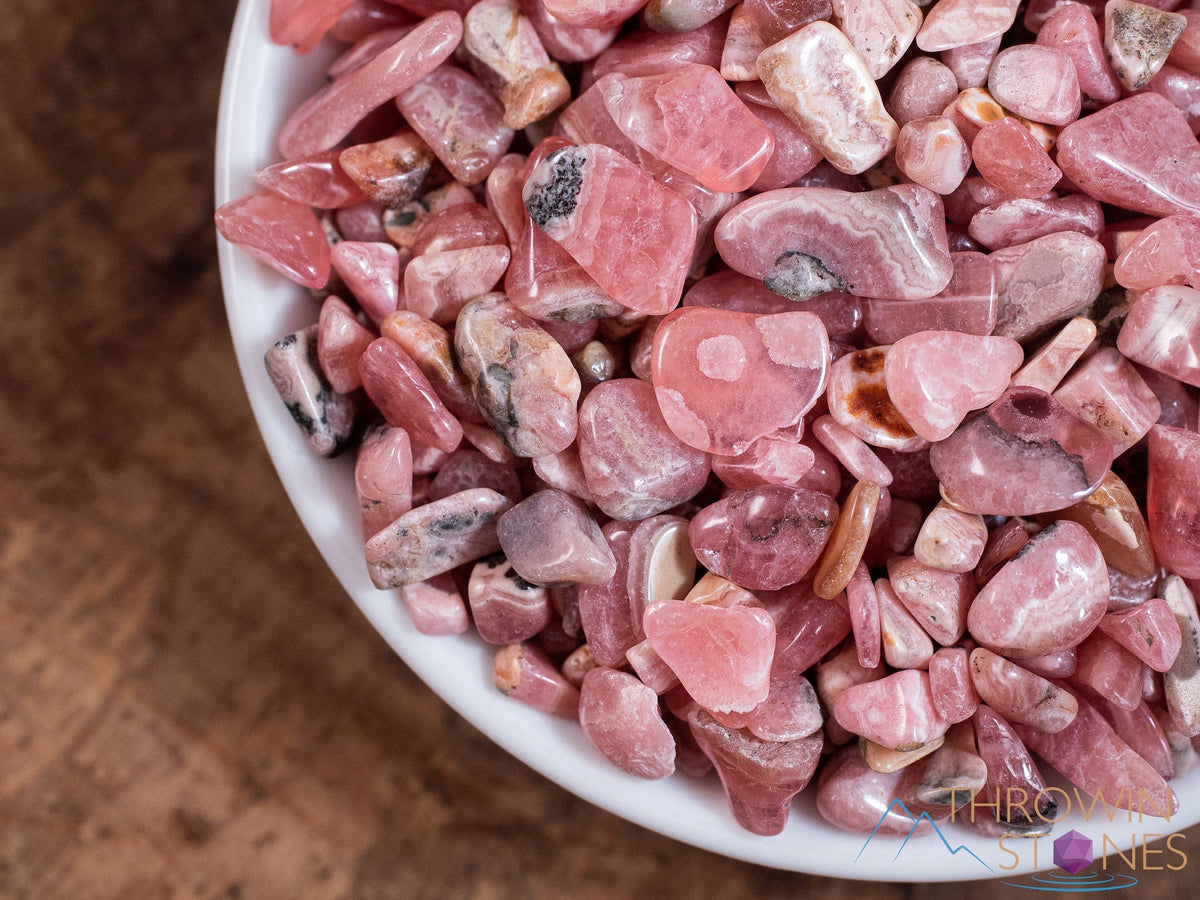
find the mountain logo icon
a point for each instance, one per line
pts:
(917, 820)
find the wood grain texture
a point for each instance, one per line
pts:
(190, 707)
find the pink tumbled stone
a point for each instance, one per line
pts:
(880, 30)
(566, 43)
(935, 378)
(1019, 695)
(888, 243)
(282, 233)
(550, 538)
(620, 718)
(1106, 391)
(906, 645)
(1148, 631)
(1015, 790)
(504, 606)
(968, 304)
(341, 340)
(763, 538)
(727, 289)
(924, 87)
(1021, 219)
(862, 603)
(896, 711)
(776, 19)
(1047, 598)
(634, 465)
(1072, 29)
(593, 14)
(604, 609)
(1047, 367)
(1105, 669)
(766, 461)
(631, 234)
(526, 673)
(704, 359)
(464, 469)
(1138, 38)
(854, 797)
(937, 599)
(1140, 729)
(1173, 499)
(383, 477)
(372, 272)
(315, 180)
(1162, 331)
(1036, 82)
(431, 348)
(1166, 252)
(849, 450)
(721, 655)
(931, 152)
(302, 23)
(742, 46)
(795, 155)
(954, 694)
(951, 539)
(405, 397)
(439, 284)
(435, 606)
(970, 62)
(1138, 153)
(1009, 157)
(955, 23)
(860, 402)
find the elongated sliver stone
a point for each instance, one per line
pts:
(1019, 695)
(328, 116)
(525, 673)
(763, 538)
(1173, 499)
(1090, 755)
(844, 548)
(862, 602)
(1140, 729)
(854, 797)
(760, 777)
(402, 393)
(604, 609)
(1162, 331)
(550, 538)
(906, 645)
(383, 477)
(524, 382)
(282, 233)
(1047, 598)
(896, 711)
(620, 718)
(1020, 220)
(818, 79)
(325, 418)
(432, 349)
(881, 759)
(659, 113)
(889, 243)
(954, 694)
(436, 538)
(1023, 455)
(1137, 153)
(631, 234)
(1047, 367)
(1165, 252)
(851, 451)
(721, 655)
(703, 359)
(1181, 682)
(1014, 783)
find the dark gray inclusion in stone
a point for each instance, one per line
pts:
(556, 198)
(800, 276)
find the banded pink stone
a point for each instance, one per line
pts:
(932, 152)
(896, 711)
(951, 539)
(325, 417)
(968, 303)
(1020, 695)
(956, 23)
(1165, 252)
(1162, 331)
(1045, 281)
(906, 645)
(505, 608)
(937, 599)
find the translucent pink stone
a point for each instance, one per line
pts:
(1036, 82)
(524, 382)
(1014, 798)
(634, 465)
(880, 32)
(620, 718)
(368, 26)
(931, 152)
(504, 606)
(954, 694)
(1107, 392)
(703, 359)
(1020, 220)
(525, 673)
(763, 538)
(464, 469)
(604, 609)
(862, 603)
(790, 712)
(1137, 153)
(460, 120)
(795, 155)
(889, 243)
(593, 14)
(759, 777)
(722, 656)
(935, 378)
(970, 62)
(955, 23)
(302, 23)
(1072, 29)
(906, 645)
(405, 397)
(648, 52)
(1048, 598)
(844, 116)
(1009, 157)
(435, 606)
(1148, 631)
(1005, 542)
(329, 115)
(372, 272)
(809, 627)
(937, 599)
(950, 539)
(1019, 695)
(436, 538)
(924, 87)
(854, 797)
(1173, 499)
(1181, 682)
(727, 289)
(659, 112)
(282, 233)
(1047, 367)
(1046, 281)
(1166, 252)
(1138, 38)
(1128, 591)
(550, 538)
(1162, 331)
(431, 348)
(825, 475)
(836, 672)
(402, 225)
(566, 43)
(859, 401)
(383, 477)
(341, 340)
(776, 19)
(315, 180)
(631, 234)
(1090, 755)
(766, 461)
(968, 304)
(438, 285)
(1142, 732)
(457, 227)
(896, 711)
(1106, 670)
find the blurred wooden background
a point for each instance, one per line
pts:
(189, 705)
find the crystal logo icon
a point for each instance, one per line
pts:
(1072, 851)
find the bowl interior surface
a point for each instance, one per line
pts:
(262, 84)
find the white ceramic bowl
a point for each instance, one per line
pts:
(262, 84)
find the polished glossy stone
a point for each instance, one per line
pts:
(950, 539)
(1046, 368)
(896, 711)
(1165, 252)
(906, 645)
(1020, 220)
(1173, 499)
(604, 609)
(956, 23)
(1019, 695)
(525, 673)
(551, 538)
(1036, 82)
(932, 153)
(315, 180)
(845, 546)
(1011, 159)
(620, 717)
(954, 693)
(1148, 631)
(1072, 28)
(937, 599)
(505, 608)
(1112, 516)
(1162, 331)
(968, 303)
(1138, 38)
(859, 401)
(1106, 391)
(282, 233)
(402, 393)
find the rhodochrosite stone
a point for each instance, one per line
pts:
(1138, 153)
(957, 23)
(859, 402)
(404, 396)
(631, 234)
(551, 538)
(1045, 599)
(316, 179)
(935, 378)
(1112, 517)
(659, 113)
(1162, 331)
(282, 233)
(722, 655)
(1024, 455)
(1036, 82)
(1106, 391)
(1072, 28)
(634, 465)
(896, 711)
(889, 243)
(1019, 695)
(1173, 499)
(704, 361)
(1166, 252)
(620, 718)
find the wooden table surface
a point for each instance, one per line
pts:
(189, 704)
